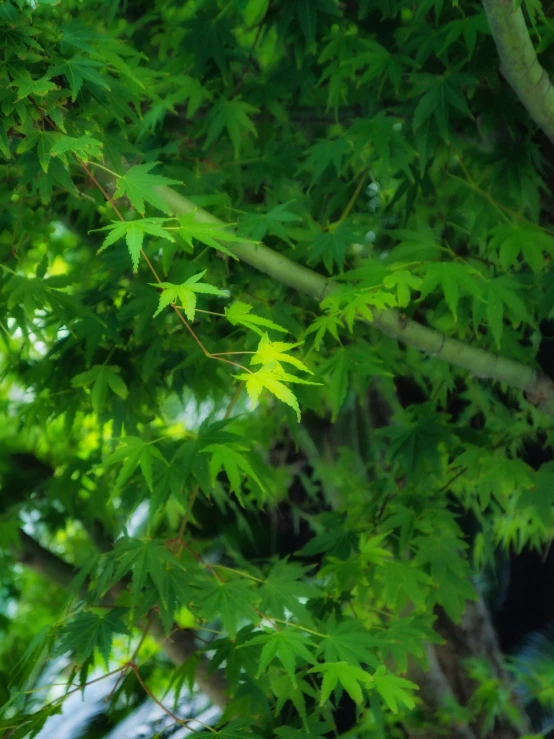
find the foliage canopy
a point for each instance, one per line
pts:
(201, 464)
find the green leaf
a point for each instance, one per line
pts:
(228, 457)
(284, 589)
(101, 377)
(404, 282)
(134, 232)
(287, 645)
(238, 314)
(395, 690)
(322, 155)
(322, 325)
(29, 87)
(232, 115)
(135, 453)
(89, 631)
(79, 69)
(140, 187)
(258, 225)
(276, 351)
(349, 641)
(456, 280)
(185, 294)
(209, 234)
(331, 245)
(416, 445)
(272, 379)
(84, 147)
(541, 496)
(348, 676)
(502, 295)
(231, 601)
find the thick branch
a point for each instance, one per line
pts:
(483, 364)
(179, 646)
(519, 62)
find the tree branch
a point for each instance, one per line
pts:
(179, 646)
(519, 63)
(483, 364)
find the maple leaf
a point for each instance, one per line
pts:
(89, 631)
(275, 351)
(394, 690)
(323, 154)
(541, 495)
(513, 239)
(230, 601)
(337, 541)
(283, 588)
(468, 28)
(185, 294)
(287, 645)
(29, 87)
(330, 246)
(85, 147)
(448, 568)
(156, 576)
(101, 377)
(140, 187)
(209, 233)
(502, 296)
(284, 688)
(232, 115)
(455, 280)
(322, 325)
(347, 675)
(258, 225)
(78, 69)
(416, 445)
(349, 641)
(229, 458)
(441, 94)
(404, 282)
(402, 583)
(406, 639)
(272, 378)
(371, 550)
(135, 453)
(134, 232)
(238, 314)
(378, 61)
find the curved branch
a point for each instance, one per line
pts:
(483, 364)
(519, 63)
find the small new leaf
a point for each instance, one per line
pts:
(185, 294)
(271, 378)
(238, 314)
(275, 351)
